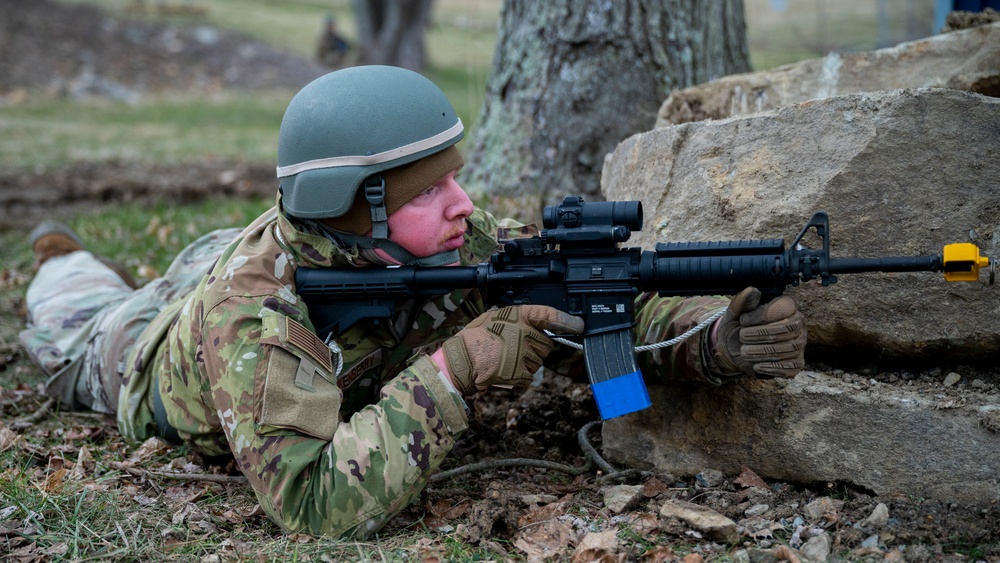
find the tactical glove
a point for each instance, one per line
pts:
(766, 340)
(505, 346)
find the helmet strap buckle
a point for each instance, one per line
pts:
(374, 186)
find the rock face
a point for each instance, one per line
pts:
(879, 437)
(963, 60)
(901, 173)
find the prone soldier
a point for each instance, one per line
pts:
(336, 436)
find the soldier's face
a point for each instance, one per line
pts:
(432, 222)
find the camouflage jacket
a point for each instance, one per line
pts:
(334, 439)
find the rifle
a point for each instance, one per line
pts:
(575, 264)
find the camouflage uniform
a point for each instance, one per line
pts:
(334, 438)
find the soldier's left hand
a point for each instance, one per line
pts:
(766, 340)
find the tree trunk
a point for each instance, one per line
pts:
(573, 78)
(391, 32)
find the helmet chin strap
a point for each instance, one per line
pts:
(374, 187)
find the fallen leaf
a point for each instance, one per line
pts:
(547, 539)
(658, 554)
(54, 480)
(56, 462)
(8, 438)
(645, 523)
(86, 433)
(61, 548)
(542, 513)
(444, 509)
(84, 463)
(30, 552)
(653, 487)
(183, 465)
(428, 550)
(184, 493)
(598, 546)
(149, 449)
(748, 478)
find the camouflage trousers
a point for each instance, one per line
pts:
(83, 319)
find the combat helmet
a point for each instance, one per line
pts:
(358, 143)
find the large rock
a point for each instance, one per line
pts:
(900, 173)
(884, 438)
(962, 60)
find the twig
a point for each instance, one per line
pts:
(623, 475)
(212, 478)
(589, 450)
(40, 413)
(519, 461)
(86, 414)
(610, 473)
(593, 458)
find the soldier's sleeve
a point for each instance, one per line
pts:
(662, 318)
(279, 405)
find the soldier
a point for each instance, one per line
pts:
(332, 48)
(336, 437)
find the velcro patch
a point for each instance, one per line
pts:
(360, 367)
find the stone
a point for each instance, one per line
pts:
(713, 525)
(817, 548)
(821, 507)
(879, 517)
(963, 60)
(900, 173)
(818, 428)
(619, 498)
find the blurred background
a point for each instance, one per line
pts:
(133, 118)
(38, 129)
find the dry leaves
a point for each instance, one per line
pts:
(748, 479)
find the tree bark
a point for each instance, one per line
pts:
(391, 32)
(573, 78)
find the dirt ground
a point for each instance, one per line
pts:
(495, 505)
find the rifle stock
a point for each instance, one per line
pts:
(576, 265)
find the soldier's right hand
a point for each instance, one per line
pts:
(505, 346)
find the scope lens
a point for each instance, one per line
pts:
(627, 213)
(574, 213)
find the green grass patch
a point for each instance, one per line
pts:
(50, 133)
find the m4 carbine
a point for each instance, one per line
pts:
(576, 265)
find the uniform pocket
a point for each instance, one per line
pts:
(295, 388)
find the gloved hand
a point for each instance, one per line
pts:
(505, 346)
(766, 340)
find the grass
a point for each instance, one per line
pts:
(807, 29)
(55, 132)
(47, 132)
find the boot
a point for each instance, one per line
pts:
(52, 238)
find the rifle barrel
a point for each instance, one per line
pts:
(886, 264)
